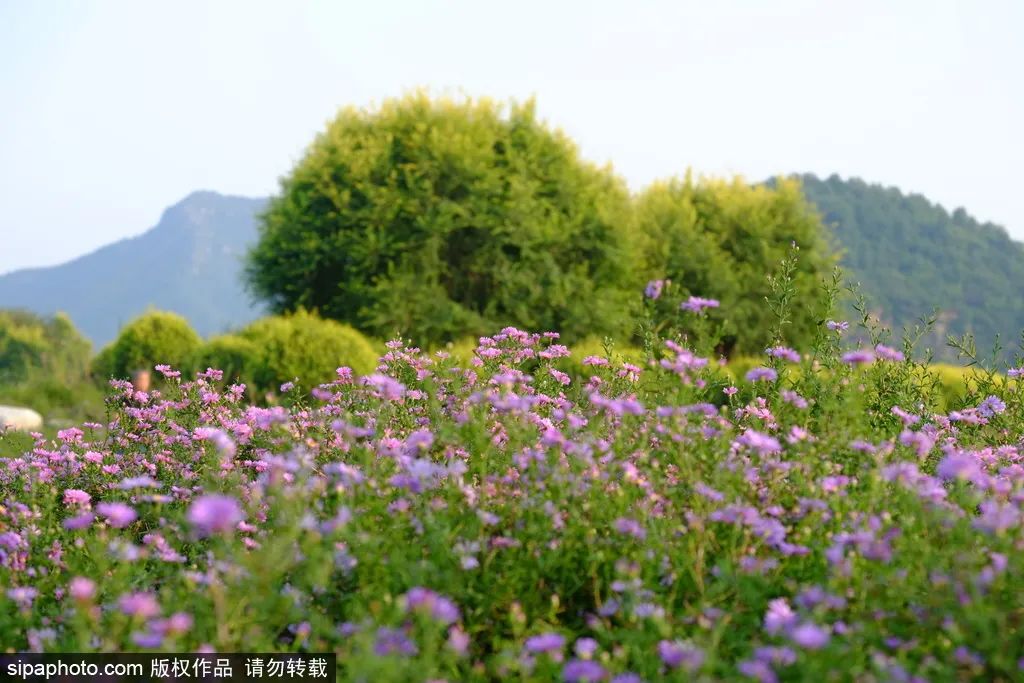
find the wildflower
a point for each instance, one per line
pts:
(545, 642)
(23, 596)
(437, 606)
(680, 654)
(779, 616)
(697, 304)
(991, 406)
(784, 352)
(392, 641)
(141, 605)
(212, 514)
(757, 441)
(583, 670)
(653, 289)
(76, 497)
(458, 640)
(630, 527)
(585, 648)
(810, 636)
(167, 372)
(837, 326)
(858, 357)
(559, 376)
(386, 387)
(118, 515)
(759, 374)
(79, 521)
(888, 353)
(82, 589)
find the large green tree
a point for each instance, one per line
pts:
(722, 239)
(434, 219)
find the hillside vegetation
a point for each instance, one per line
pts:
(912, 256)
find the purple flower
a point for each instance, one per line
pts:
(388, 388)
(859, 357)
(214, 513)
(810, 636)
(23, 596)
(838, 326)
(76, 497)
(82, 589)
(627, 677)
(785, 353)
(959, 466)
(888, 353)
(779, 616)
(142, 605)
(759, 442)
(439, 607)
(678, 653)
(583, 670)
(653, 290)
(391, 641)
(545, 642)
(79, 522)
(630, 527)
(758, 374)
(758, 670)
(585, 648)
(993, 405)
(698, 304)
(118, 515)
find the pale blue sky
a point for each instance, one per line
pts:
(114, 110)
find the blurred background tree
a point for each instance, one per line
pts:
(721, 239)
(435, 219)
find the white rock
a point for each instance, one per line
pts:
(20, 418)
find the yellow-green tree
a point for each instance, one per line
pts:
(722, 239)
(435, 219)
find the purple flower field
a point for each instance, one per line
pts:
(816, 519)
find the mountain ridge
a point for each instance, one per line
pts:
(189, 262)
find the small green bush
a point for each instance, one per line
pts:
(305, 347)
(32, 346)
(154, 338)
(236, 356)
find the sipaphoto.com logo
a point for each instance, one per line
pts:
(61, 668)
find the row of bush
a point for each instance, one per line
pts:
(434, 220)
(263, 355)
(46, 362)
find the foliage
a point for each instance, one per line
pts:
(153, 338)
(33, 347)
(912, 256)
(724, 240)
(436, 219)
(303, 347)
(237, 357)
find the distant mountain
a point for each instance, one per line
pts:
(189, 263)
(912, 256)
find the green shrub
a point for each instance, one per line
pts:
(236, 356)
(154, 338)
(433, 219)
(32, 346)
(720, 239)
(305, 347)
